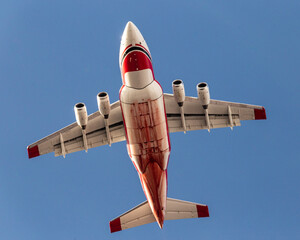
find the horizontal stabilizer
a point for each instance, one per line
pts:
(137, 216)
(142, 214)
(178, 209)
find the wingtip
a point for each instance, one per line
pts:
(202, 211)
(115, 225)
(33, 151)
(260, 114)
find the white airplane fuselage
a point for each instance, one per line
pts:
(145, 121)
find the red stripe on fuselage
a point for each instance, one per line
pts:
(136, 61)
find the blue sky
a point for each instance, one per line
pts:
(54, 54)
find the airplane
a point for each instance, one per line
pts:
(144, 116)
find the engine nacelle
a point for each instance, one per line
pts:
(81, 115)
(203, 94)
(178, 91)
(103, 104)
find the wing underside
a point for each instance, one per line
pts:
(72, 138)
(219, 114)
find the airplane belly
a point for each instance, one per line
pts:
(146, 126)
(148, 142)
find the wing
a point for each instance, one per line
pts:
(72, 138)
(218, 115)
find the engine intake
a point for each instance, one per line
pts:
(81, 115)
(103, 104)
(203, 94)
(178, 91)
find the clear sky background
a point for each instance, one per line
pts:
(54, 54)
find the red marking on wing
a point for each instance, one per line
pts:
(202, 211)
(136, 61)
(115, 225)
(33, 151)
(260, 114)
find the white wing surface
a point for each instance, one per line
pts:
(72, 138)
(219, 114)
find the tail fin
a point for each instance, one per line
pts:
(142, 214)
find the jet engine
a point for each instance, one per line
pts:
(178, 91)
(203, 94)
(103, 104)
(81, 115)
